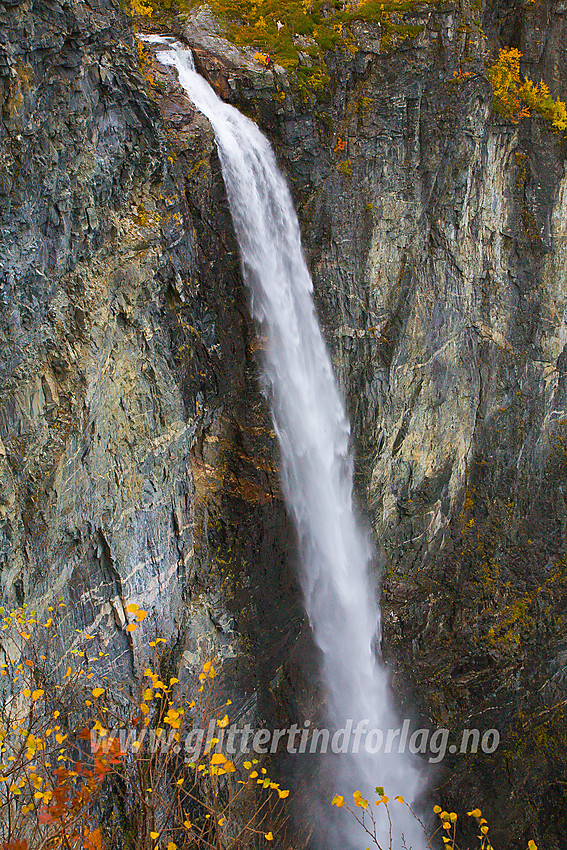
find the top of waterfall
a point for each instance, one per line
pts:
(171, 42)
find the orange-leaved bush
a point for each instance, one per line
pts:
(86, 766)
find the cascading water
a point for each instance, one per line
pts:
(313, 434)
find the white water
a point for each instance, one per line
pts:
(313, 434)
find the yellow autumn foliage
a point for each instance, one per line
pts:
(52, 781)
(516, 98)
(139, 8)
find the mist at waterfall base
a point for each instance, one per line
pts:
(313, 434)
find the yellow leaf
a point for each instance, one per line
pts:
(476, 813)
(171, 845)
(26, 692)
(247, 765)
(336, 801)
(131, 628)
(284, 794)
(229, 767)
(154, 835)
(268, 836)
(399, 798)
(187, 824)
(144, 708)
(141, 615)
(132, 608)
(37, 694)
(453, 817)
(218, 758)
(224, 722)
(359, 800)
(98, 692)
(180, 781)
(221, 821)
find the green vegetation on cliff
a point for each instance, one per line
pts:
(295, 34)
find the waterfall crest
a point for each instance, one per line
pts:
(313, 434)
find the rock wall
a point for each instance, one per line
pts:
(137, 459)
(436, 236)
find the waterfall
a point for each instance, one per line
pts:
(313, 434)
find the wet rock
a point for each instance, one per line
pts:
(137, 460)
(435, 234)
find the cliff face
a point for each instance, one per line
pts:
(436, 235)
(136, 450)
(137, 458)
